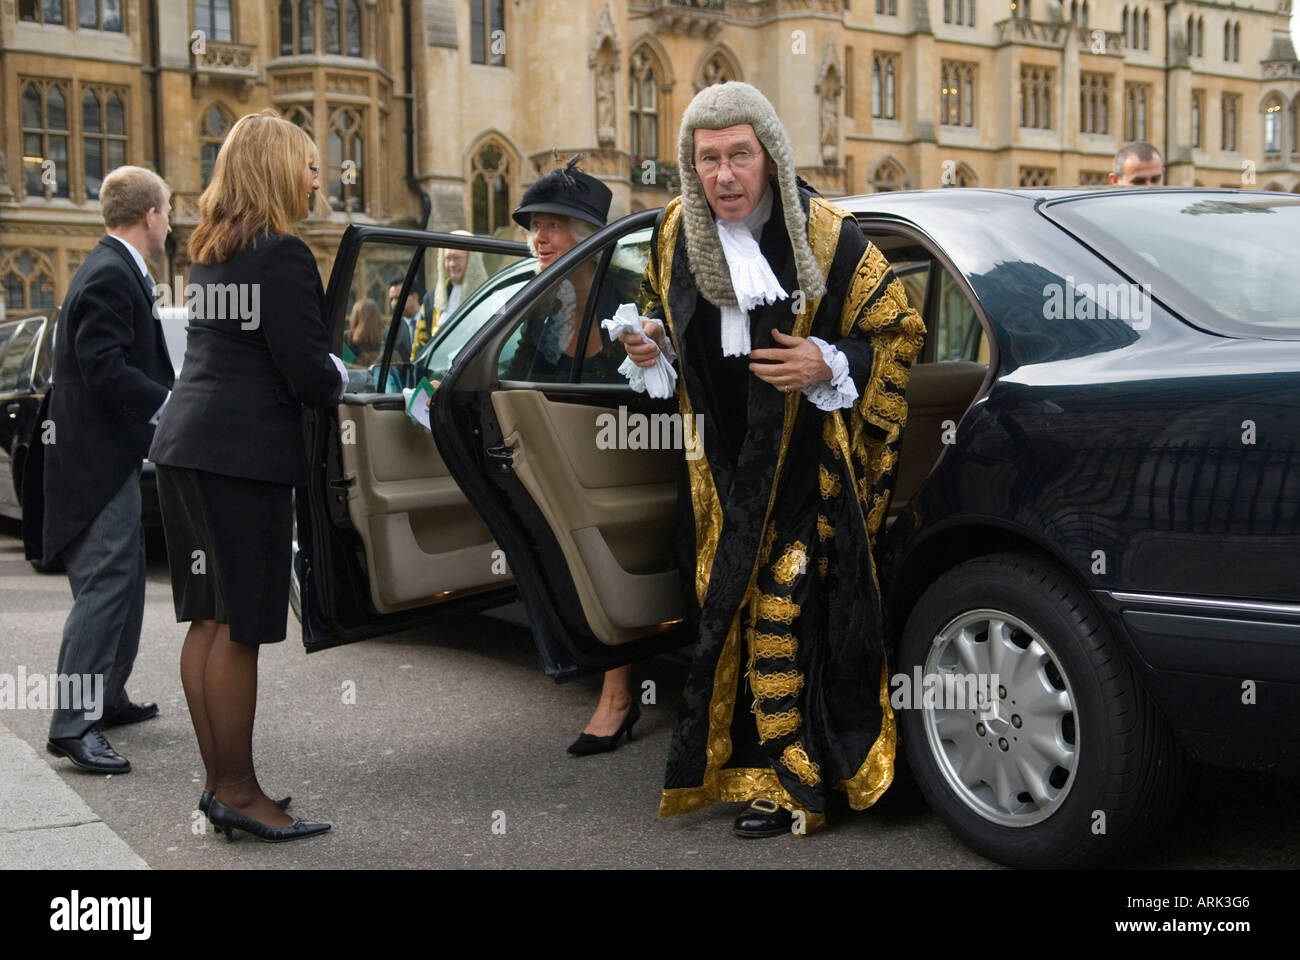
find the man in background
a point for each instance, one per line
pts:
(1138, 164)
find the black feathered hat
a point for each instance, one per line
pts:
(568, 192)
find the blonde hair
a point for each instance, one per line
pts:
(366, 331)
(258, 186)
(128, 193)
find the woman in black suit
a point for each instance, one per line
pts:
(229, 448)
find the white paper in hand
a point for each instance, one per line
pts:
(658, 381)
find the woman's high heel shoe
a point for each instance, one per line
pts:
(587, 743)
(205, 801)
(232, 820)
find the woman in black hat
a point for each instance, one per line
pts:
(559, 211)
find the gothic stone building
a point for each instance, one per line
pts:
(443, 111)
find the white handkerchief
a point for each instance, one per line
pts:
(658, 381)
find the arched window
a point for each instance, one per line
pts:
(330, 25)
(45, 139)
(1083, 14)
(1236, 42)
(352, 28)
(1146, 30)
(888, 175)
(301, 116)
(1227, 42)
(717, 68)
(1273, 123)
(489, 189)
(346, 146)
(643, 104)
(216, 122)
(890, 100)
(876, 88)
(28, 280)
(103, 140)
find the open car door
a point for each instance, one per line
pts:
(574, 474)
(385, 540)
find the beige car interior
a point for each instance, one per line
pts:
(613, 516)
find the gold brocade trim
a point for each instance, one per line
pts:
(870, 271)
(738, 785)
(773, 646)
(824, 223)
(890, 304)
(824, 529)
(772, 726)
(765, 544)
(877, 771)
(823, 567)
(796, 758)
(776, 609)
(829, 482)
(792, 563)
(774, 686)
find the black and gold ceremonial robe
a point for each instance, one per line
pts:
(787, 694)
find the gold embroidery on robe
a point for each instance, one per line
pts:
(776, 609)
(772, 726)
(775, 686)
(792, 563)
(801, 765)
(824, 529)
(877, 771)
(773, 646)
(829, 482)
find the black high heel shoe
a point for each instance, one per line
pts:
(232, 820)
(588, 743)
(205, 801)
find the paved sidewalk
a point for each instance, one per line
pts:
(45, 825)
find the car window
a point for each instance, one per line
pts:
(437, 358)
(620, 283)
(1223, 261)
(19, 354)
(544, 346)
(954, 326)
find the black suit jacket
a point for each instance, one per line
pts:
(237, 408)
(111, 374)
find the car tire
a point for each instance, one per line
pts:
(1099, 767)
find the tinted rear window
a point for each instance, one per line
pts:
(1224, 261)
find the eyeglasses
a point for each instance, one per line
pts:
(739, 161)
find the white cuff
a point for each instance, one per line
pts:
(664, 342)
(837, 393)
(153, 421)
(342, 368)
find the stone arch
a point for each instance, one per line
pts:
(659, 55)
(887, 174)
(720, 58)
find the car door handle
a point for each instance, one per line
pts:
(12, 409)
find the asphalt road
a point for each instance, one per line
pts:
(456, 729)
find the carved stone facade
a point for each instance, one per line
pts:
(503, 90)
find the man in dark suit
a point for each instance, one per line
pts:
(112, 376)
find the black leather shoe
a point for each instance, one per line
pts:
(133, 713)
(763, 818)
(589, 743)
(90, 752)
(231, 820)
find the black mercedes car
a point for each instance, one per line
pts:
(1097, 505)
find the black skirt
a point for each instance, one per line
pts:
(229, 546)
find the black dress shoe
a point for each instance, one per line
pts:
(91, 752)
(763, 818)
(589, 743)
(231, 820)
(132, 713)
